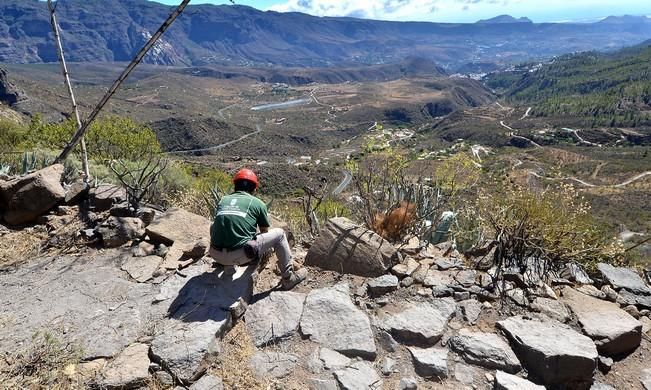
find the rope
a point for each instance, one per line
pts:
(125, 74)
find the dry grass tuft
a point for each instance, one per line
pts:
(19, 246)
(232, 364)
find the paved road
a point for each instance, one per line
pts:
(277, 106)
(258, 129)
(348, 177)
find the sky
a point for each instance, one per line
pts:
(452, 11)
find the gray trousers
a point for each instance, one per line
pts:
(273, 239)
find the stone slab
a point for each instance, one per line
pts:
(420, 324)
(275, 317)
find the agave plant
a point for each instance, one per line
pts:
(5, 169)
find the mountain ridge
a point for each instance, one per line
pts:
(243, 36)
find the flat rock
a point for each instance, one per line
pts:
(275, 317)
(323, 384)
(406, 268)
(208, 382)
(179, 226)
(358, 376)
(383, 284)
(626, 278)
(198, 307)
(345, 247)
(430, 362)
(613, 330)
(645, 378)
(504, 381)
(142, 268)
(471, 310)
(601, 386)
(25, 198)
(628, 298)
(90, 297)
(485, 349)
(444, 263)
(130, 369)
(552, 308)
(552, 351)
(273, 364)
(331, 319)
(420, 324)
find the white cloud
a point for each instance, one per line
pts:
(464, 10)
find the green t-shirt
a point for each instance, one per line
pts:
(236, 220)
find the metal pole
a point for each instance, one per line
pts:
(80, 133)
(64, 70)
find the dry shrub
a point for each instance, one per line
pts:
(550, 227)
(392, 225)
(190, 199)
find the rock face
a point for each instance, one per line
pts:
(24, 199)
(485, 349)
(130, 369)
(613, 330)
(359, 376)
(430, 362)
(275, 317)
(626, 278)
(348, 248)
(198, 307)
(551, 351)
(117, 231)
(504, 381)
(331, 319)
(420, 324)
(180, 227)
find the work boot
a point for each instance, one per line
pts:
(293, 278)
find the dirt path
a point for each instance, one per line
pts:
(585, 183)
(597, 169)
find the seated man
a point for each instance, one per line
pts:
(233, 235)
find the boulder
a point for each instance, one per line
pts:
(24, 199)
(601, 386)
(485, 349)
(624, 278)
(142, 269)
(504, 381)
(383, 284)
(613, 330)
(273, 364)
(9, 93)
(471, 310)
(323, 384)
(275, 317)
(117, 231)
(104, 196)
(345, 247)
(129, 370)
(430, 362)
(180, 227)
(331, 319)
(552, 351)
(408, 383)
(420, 324)
(358, 376)
(208, 382)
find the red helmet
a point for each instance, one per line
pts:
(247, 174)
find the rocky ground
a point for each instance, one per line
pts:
(139, 305)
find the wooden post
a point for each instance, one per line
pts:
(66, 77)
(116, 84)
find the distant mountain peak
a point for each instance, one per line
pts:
(502, 19)
(625, 19)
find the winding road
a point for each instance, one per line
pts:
(258, 129)
(585, 183)
(348, 177)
